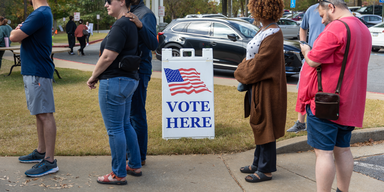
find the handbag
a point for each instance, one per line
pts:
(131, 63)
(327, 104)
(85, 32)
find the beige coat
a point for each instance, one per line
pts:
(266, 73)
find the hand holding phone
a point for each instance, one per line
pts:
(305, 43)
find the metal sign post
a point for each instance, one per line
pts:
(382, 8)
(98, 18)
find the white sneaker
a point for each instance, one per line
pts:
(87, 44)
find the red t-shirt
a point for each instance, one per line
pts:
(329, 50)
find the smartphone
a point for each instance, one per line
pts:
(305, 43)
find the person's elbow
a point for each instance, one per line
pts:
(312, 63)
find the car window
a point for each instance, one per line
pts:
(290, 22)
(221, 30)
(200, 28)
(373, 18)
(179, 27)
(381, 25)
(247, 29)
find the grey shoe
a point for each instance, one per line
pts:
(297, 127)
(34, 157)
(42, 168)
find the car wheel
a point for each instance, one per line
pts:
(175, 52)
(375, 49)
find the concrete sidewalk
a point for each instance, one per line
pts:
(296, 169)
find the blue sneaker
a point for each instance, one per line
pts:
(34, 157)
(43, 168)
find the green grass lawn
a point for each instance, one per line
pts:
(62, 38)
(81, 131)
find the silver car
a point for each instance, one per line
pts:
(371, 19)
(289, 27)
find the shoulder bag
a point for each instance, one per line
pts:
(85, 32)
(131, 63)
(327, 104)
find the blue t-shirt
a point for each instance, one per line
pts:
(312, 21)
(35, 50)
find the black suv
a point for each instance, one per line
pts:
(227, 37)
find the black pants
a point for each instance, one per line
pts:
(82, 44)
(265, 157)
(71, 41)
(88, 38)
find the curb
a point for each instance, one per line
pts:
(300, 143)
(77, 44)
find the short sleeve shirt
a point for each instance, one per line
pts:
(35, 50)
(312, 21)
(329, 49)
(123, 39)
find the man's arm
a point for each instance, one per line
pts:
(305, 49)
(303, 34)
(148, 31)
(17, 35)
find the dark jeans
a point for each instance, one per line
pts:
(1, 57)
(265, 157)
(71, 41)
(88, 38)
(139, 115)
(82, 44)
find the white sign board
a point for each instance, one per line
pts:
(76, 16)
(161, 11)
(97, 16)
(187, 95)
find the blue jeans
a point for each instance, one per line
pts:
(115, 96)
(139, 115)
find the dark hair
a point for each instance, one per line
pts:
(80, 21)
(70, 17)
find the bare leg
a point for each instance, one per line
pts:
(49, 133)
(301, 117)
(344, 167)
(40, 135)
(325, 170)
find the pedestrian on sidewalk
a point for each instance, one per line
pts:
(312, 21)
(89, 32)
(263, 70)
(331, 138)
(145, 21)
(115, 93)
(81, 37)
(5, 31)
(37, 69)
(71, 28)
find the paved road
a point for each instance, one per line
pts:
(375, 68)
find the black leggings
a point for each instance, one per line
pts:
(82, 44)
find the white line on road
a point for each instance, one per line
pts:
(370, 166)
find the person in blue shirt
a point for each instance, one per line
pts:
(312, 22)
(37, 68)
(5, 31)
(145, 21)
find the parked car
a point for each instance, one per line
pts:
(369, 10)
(354, 8)
(377, 33)
(227, 37)
(365, 23)
(371, 19)
(289, 27)
(297, 16)
(249, 19)
(205, 16)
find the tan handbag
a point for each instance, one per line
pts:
(327, 104)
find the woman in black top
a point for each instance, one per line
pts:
(115, 93)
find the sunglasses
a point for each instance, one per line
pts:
(108, 1)
(325, 1)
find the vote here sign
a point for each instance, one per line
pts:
(187, 95)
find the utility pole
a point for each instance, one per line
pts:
(224, 4)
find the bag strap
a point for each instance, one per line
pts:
(318, 69)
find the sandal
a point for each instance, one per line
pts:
(112, 179)
(255, 179)
(248, 169)
(134, 172)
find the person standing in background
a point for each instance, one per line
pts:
(70, 28)
(145, 21)
(89, 32)
(81, 37)
(5, 31)
(312, 22)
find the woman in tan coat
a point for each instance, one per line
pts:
(266, 102)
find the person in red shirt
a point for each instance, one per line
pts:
(81, 37)
(331, 138)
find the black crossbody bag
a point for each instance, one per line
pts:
(131, 62)
(327, 104)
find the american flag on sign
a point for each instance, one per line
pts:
(184, 81)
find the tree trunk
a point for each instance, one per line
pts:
(224, 5)
(25, 9)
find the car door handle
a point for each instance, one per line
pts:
(213, 43)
